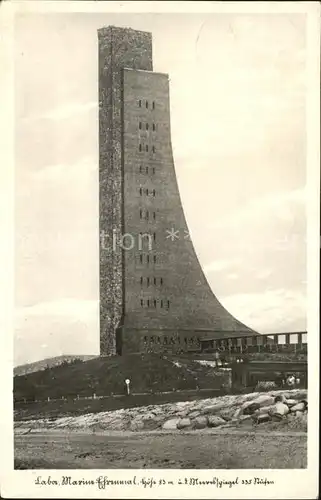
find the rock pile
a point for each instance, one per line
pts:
(228, 411)
(263, 408)
(273, 408)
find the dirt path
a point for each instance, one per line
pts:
(192, 450)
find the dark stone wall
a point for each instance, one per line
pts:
(153, 291)
(118, 48)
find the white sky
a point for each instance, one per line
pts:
(237, 86)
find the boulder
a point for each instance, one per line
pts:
(264, 409)
(298, 407)
(183, 423)
(276, 417)
(181, 414)
(227, 413)
(136, 425)
(182, 404)
(119, 425)
(245, 404)
(299, 395)
(194, 414)
(151, 424)
(290, 402)
(279, 409)
(238, 413)
(157, 410)
(280, 398)
(264, 400)
(282, 408)
(146, 416)
(213, 409)
(201, 422)
(299, 414)
(265, 417)
(171, 424)
(286, 394)
(215, 421)
(251, 408)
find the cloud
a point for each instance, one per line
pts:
(66, 111)
(266, 59)
(264, 273)
(279, 203)
(274, 201)
(60, 171)
(232, 276)
(53, 328)
(277, 310)
(220, 265)
(67, 308)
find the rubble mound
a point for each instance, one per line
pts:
(275, 410)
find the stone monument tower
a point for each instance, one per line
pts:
(153, 293)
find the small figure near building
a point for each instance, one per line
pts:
(290, 380)
(127, 382)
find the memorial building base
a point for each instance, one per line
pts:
(131, 341)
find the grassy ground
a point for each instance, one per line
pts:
(74, 408)
(153, 451)
(106, 376)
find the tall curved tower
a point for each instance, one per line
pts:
(153, 292)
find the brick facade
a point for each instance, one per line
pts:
(153, 292)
